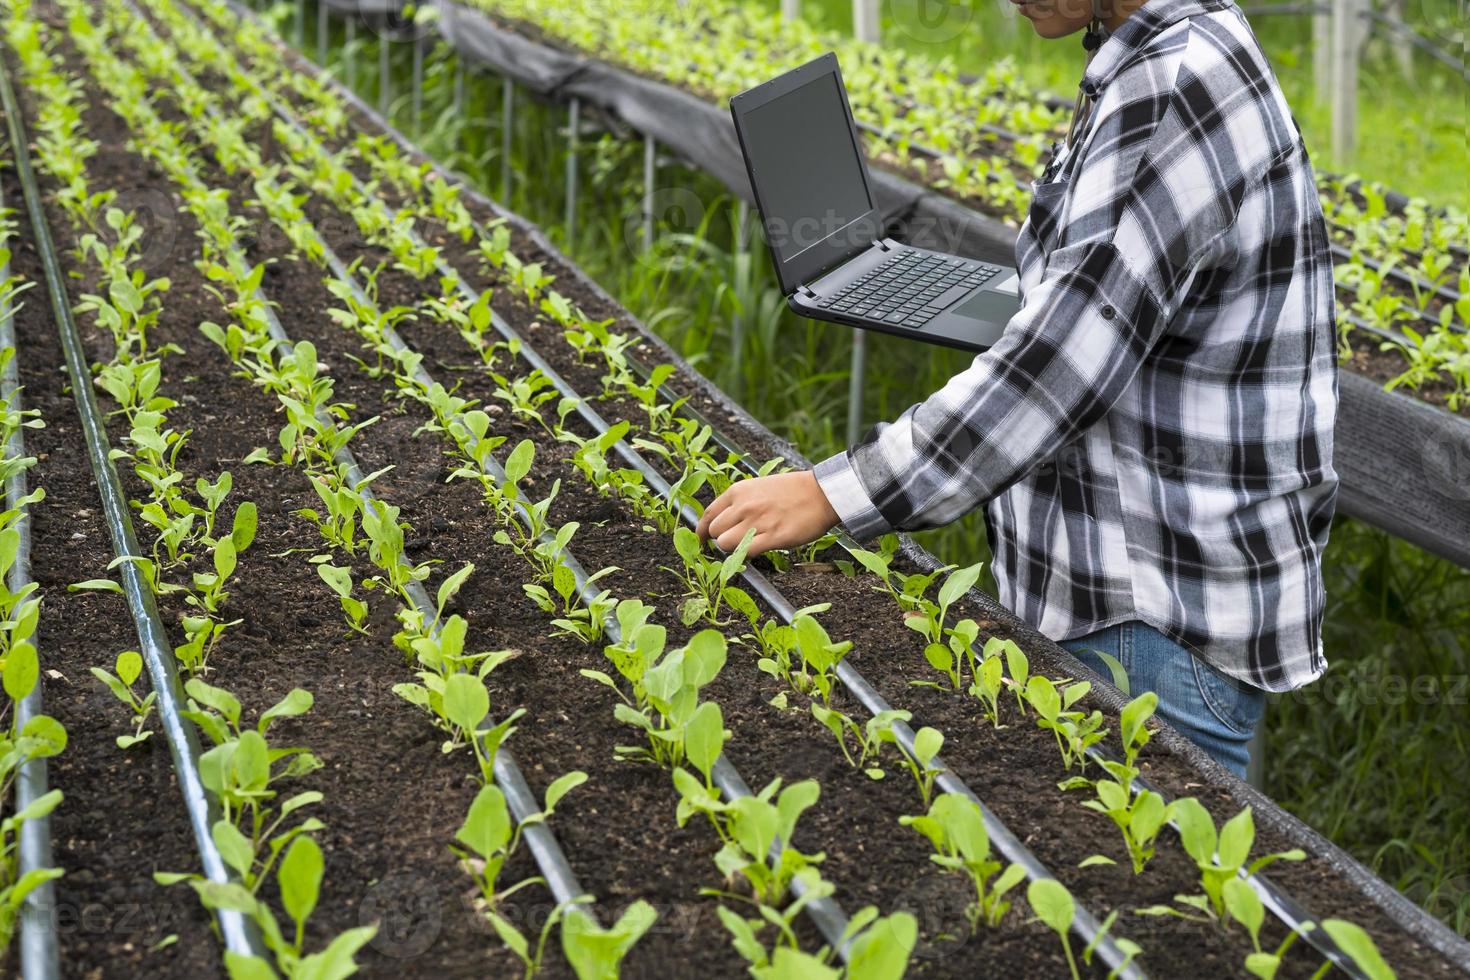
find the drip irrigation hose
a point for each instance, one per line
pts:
(237, 931)
(39, 959)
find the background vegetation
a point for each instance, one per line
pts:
(1374, 754)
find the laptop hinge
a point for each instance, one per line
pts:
(806, 291)
(881, 245)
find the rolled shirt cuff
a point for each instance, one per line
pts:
(839, 481)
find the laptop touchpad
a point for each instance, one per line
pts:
(987, 306)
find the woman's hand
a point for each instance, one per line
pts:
(786, 510)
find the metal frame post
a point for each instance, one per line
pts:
(322, 29)
(737, 329)
(418, 84)
(574, 122)
(300, 25)
(1322, 56)
(790, 9)
(350, 52)
(1255, 769)
(865, 23)
(507, 135)
(1344, 78)
(385, 72)
(650, 171)
(855, 384)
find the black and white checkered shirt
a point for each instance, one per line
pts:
(1153, 431)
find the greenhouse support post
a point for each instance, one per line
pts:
(300, 25)
(791, 9)
(574, 121)
(349, 51)
(855, 384)
(321, 33)
(1344, 78)
(385, 72)
(865, 21)
(650, 171)
(418, 84)
(742, 269)
(1322, 56)
(507, 131)
(458, 87)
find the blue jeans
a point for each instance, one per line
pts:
(1215, 712)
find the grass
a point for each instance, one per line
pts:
(1373, 755)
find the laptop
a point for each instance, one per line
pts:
(826, 233)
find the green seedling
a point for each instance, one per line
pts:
(339, 580)
(1221, 858)
(955, 827)
(752, 827)
(920, 762)
(1141, 815)
(129, 667)
(597, 953)
(708, 579)
(1075, 731)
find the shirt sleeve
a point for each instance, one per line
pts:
(1081, 336)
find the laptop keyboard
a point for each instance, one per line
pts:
(909, 289)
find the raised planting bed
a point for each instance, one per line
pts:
(378, 596)
(1401, 469)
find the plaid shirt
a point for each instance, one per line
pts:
(1153, 431)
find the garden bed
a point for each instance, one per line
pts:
(392, 801)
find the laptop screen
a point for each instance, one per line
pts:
(807, 168)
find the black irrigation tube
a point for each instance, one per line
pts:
(560, 878)
(39, 959)
(238, 932)
(1084, 924)
(1399, 910)
(1279, 902)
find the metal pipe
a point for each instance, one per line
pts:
(418, 84)
(39, 959)
(349, 49)
(153, 642)
(574, 120)
(507, 134)
(385, 72)
(650, 170)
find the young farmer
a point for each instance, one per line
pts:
(1152, 435)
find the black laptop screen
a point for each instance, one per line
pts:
(808, 170)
